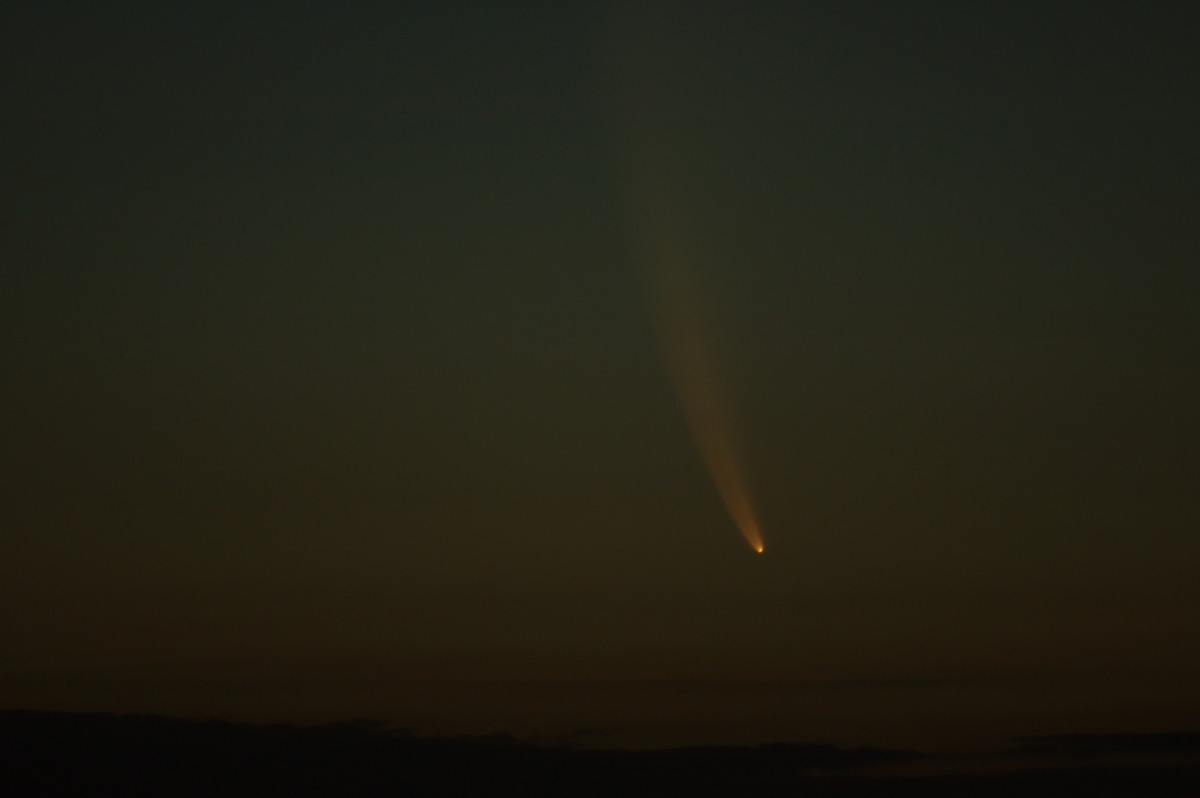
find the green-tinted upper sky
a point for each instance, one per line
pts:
(332, 389)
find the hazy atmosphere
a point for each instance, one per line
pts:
(343, 381)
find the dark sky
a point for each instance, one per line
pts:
(331, 389)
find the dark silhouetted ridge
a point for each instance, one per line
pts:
(50, 753)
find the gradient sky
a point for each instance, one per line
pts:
(332, 389)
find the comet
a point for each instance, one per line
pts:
(648, 101)
(688, 351)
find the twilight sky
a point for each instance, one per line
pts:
(333, 390)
